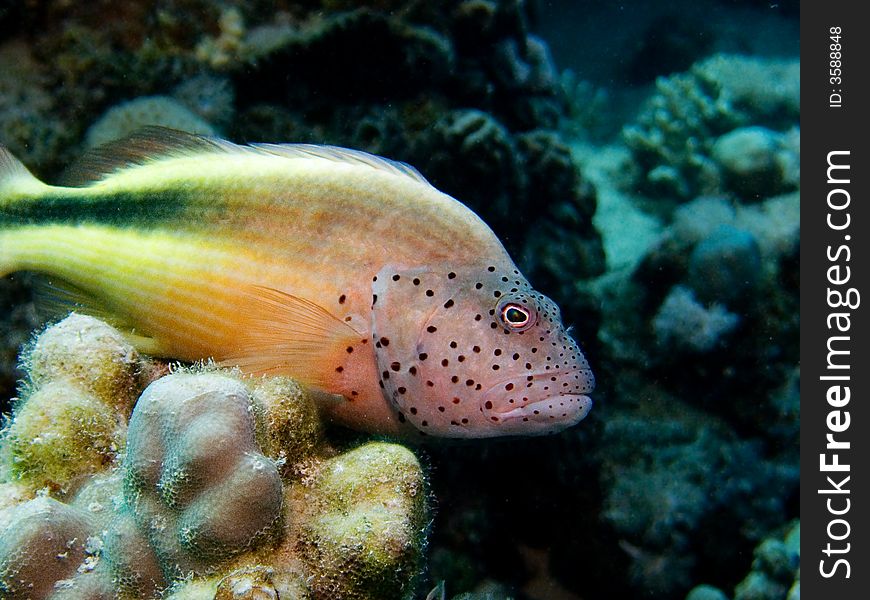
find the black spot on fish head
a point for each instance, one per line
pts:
(408, 344)
(477, 353)
(533, 377)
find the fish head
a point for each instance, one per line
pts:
(476, 353)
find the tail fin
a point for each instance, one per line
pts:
(16, 184)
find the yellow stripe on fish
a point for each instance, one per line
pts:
(344, 270)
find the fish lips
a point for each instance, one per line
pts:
(540, 404)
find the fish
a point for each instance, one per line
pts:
(395, 303)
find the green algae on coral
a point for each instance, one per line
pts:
(290, 429)
(60, 434)
(367, 510)
(70, 420)
(92, 355)
(196, 508)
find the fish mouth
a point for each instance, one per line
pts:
(566, 409)
(543, 400)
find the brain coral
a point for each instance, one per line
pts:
(195, 479)
(125, 118)
(214, 486)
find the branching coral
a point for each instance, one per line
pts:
(775, 573)
(674, 137)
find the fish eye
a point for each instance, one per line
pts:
(516, 317)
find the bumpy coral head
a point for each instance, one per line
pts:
(476, 353)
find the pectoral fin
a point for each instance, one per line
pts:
(286, 334)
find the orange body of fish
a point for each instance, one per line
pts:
(346, 271)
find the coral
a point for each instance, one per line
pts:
(288, 427)
(669, 139)
(365, 515)
(43, 542)
(490, 176)
(248, 582)
(725, 266)
(675, 137)
(12, 493)
(775, 573)
(488, 590)
(530, 67)
(194, 467)
(60, 434)
(400, 55)
(223, 50)
(688, 311)
(706, 450)
(706, 592)
(789, 157)
(684, 322)
(761, 90)
(88, 353)
(668, 479)
(70, 420)
(551, 175)
(125, 118)
(774, 223)
(748, 158)
(721, 255)
(226, 486)
(29, 123)
(696, 220)
(211, 97)
(354, 530)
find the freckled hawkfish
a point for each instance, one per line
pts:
(346, 271)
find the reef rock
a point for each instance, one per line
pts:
(212, 485)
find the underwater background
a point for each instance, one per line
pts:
(641, 163)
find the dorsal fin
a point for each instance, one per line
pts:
(339, 154)
(145, 145)
(154, 143)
